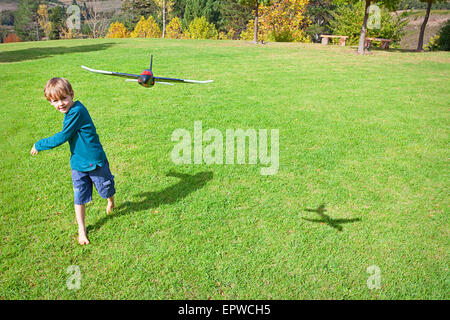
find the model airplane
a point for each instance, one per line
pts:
(146, 78)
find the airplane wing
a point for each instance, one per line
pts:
(119, 74)
(181, 80)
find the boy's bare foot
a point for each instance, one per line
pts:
(82, 238)
(110, 206)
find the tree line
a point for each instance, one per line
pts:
(256, 20)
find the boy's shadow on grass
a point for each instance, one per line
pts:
(44, 52)
(335, 223)
(187, 184)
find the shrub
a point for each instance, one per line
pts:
(247, 34)
(285, 20)
(199, 28)
(282, 21)
(11, 37)
(146, 29)
(433, 44)
(444, 37)
(117, 30)
(173, 29)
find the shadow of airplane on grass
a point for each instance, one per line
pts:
(187, 184)
(44, 52)
(335, 223)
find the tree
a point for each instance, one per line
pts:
(285, 20)
(390, 4)
(56, 17)
(117, 30)
(234, 17)
(200, 28)
(146, 29)
(43, 20)
(319, 12)
(201, 8)
(138, 8)
(165, 6)
(174, 30)
(7, 17)
(424, 24)
(255, 5)
(96, 20)
(25, 21)
(347, 21)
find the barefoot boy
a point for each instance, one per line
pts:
(88, 160)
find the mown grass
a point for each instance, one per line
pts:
(363, 177)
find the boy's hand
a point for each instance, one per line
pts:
(33, 151)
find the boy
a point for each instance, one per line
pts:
(88, 160)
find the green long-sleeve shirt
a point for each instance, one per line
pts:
(85, 147)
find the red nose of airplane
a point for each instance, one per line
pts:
(146, 78)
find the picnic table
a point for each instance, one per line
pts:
(384, 42)
(326, 37)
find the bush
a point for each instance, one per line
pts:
(199, 28)
(282, 21)
(433, 44)
(146, 29)
(444, 37)
(227, 36)
(173, 29)
(247, 34)
(348, 21)
(117, 30)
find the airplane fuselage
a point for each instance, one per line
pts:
(146, 78)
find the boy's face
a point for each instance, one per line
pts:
(63, 105)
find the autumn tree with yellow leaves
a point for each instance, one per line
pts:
(146, 29)
(117, 30)
(285, 20)
(282, 20)
(173, 30)
(43, 19)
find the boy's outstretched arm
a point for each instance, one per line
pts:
(69, 128)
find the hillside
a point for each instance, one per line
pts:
(105, 5)
(8, 5)
(436, 20)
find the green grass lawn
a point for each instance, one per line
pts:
(363, 177)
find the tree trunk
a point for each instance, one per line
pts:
(255, 30)
(424, 24)
(362, 38)
(164, 19)
(37, 31)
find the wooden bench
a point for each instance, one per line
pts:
(326, 37)
(384, 42)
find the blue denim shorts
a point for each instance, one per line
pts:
(101, 177)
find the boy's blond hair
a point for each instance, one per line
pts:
(57, 89)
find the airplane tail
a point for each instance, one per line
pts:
(151, 62)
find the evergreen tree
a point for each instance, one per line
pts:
(138, 8)
(56, 16)
(25, 20)
(233, 16)
(320, 14)
(210, 9)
